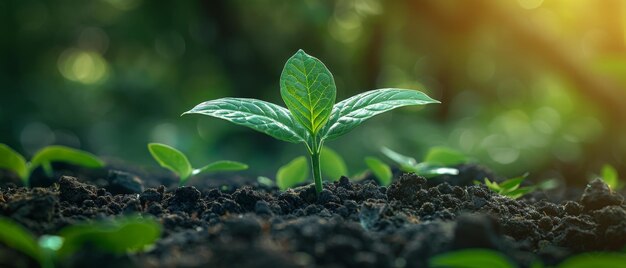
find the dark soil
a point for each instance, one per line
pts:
(350, 224)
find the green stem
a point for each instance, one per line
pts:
(317, 171)
(47, 169)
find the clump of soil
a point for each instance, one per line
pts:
(350, 224)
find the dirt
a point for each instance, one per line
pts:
(233, 222)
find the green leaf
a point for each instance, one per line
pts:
(513, 183)
(519, 192)
(443, 156)
(223, 165)
(13, 161)
(333, 165)
(265, 181)
(471, 258)
(492, 185)
(17, 237)
(123, 235)
(57, 153)
(406, 163)
(609, 175)
(428, 171)
(595, 260)
(350, 113)
(259, 115)
(293, 173)
(381, 170)
(172, 159)
(308, 89)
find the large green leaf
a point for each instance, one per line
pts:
(57, 153)
(223, 165)
(123, 235)
(294, 172)
(350, 113)
(333, 165)
(471, 258)
(308, 89)
(13, 161)
(17, 237)
(381, 170)
(259, 115)
(172, 159)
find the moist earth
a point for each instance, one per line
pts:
(349, 224)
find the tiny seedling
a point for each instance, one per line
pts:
(129, 234)
(381, 171)
(511, 187)
(308, 89)
(293, 173)
(174, 160)
(610, 177)
(11, 160)
(471, 258)
(438, 161)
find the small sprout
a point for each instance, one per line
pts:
(11, 160)
(511, 187)
(610, 177)
(445, 157)
(437, 162)
(596, 259)
(308, 89)
(174, 160)
(129, 234)
(293, 173)
(333, 165)
(262, 180)
(381, 170)
(17, 237)
(471, 258)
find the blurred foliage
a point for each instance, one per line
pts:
(525, 85)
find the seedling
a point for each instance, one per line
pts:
(124, 235)
(174, 160)
(471, 258)
(438, 161)
(308, 89)
(511, 187)
(381, 171)
(11, 160)
(610, 177)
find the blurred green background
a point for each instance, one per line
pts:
(526, 85)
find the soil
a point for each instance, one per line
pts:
(232, 221)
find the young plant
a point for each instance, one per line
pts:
(381, 171)
(123, 235)
(438, 161)
(11, 160)
(511, 187)
(174, 160)
(471, 258)
(610, 177)
(308, 89)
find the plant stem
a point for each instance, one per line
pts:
(317, 171)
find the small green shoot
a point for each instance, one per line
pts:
(610, 177)
(437, 162)
(293, 173)
(511, 187)
(11, 160)
(596, 259)
(308, 89)
(129, 234)
(174, 160)
(471, 258)
(333, 165)
(381, 171)
(262, 180)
